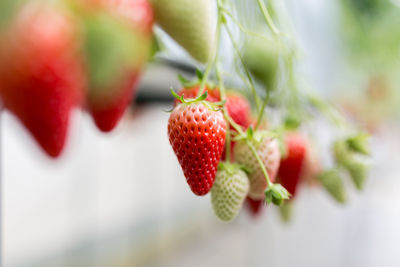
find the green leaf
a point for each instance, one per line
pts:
(200, 75)
(156, 46)
(176, 95)
(184, 82)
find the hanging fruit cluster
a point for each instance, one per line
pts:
(239, 157)
(56, 56)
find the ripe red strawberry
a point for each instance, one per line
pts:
(268, 151)
(255, 207)
(197, 135)
(291, 166)
(115, 66)
(41, 75)
(192, 92)
(238, 108)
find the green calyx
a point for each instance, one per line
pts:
(196, 81)
(255, 137)
(232, 168)
(348, 154)
(276, 194)
(359, 143)
(258, 136)
(214, 106)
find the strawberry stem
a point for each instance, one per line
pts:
(223, 97)
(267, 17)
(215, 54)
(251, 83)
(242, 28)
(262, 111)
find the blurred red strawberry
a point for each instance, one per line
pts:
(118, 41)
(238, 108)
(255, 207)
(290, 169)
(41, 76)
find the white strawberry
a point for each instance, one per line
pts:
(189, 23)
(229, 191)
(269, 153)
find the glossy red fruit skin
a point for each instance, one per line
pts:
(41, 73)
(107, 117)
(290, 169)
(139, 14)
(238, 108)
(197, 136)
(213, 94)
(255, 207)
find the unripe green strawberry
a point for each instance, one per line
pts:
(333, 184)
(262, 59)
(189, 23)
(229, 191)
(197, 135)
(268, 151)
(117, 41)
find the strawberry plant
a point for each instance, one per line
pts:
(262, 162)
(247, 144)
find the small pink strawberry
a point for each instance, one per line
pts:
(197, 133)
(269, 153)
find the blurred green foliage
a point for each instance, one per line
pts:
(371, 30)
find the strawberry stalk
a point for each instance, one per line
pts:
(226, 115)
(267, 17)
(215, 54)
(262, 111)
(274, 193)
(250, 80)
